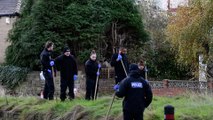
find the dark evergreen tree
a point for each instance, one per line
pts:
(83, 25)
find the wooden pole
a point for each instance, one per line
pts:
(123, 67)
(113, 97)
(96, 85)
(110, 107)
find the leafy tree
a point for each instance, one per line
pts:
(160, 59)
(83, 25)
(189, 32)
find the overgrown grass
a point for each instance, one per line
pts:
(187, 107)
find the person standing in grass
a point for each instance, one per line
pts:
(47, 64)
(68, 73)
(91, 69)
(136, 92)
(119, 68)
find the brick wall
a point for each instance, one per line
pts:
(178, 87)
(4, 28)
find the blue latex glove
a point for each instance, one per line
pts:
(98, 73)
(119, 57)
(116, 87)
(99, 65)
(75, 77)
(52, 63)
(48, 70)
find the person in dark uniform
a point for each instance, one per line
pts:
(116, 63)
(47, 64)
(137, 94)
(91, 69)
(68, 73)
(142, 69)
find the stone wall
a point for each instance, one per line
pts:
(4, 29)
(33, 85)
(106, 81)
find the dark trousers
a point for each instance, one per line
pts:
(90, 89)
(132, 115)
(64, 84)
(49, 86)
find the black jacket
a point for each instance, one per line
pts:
(67, 66)
(137, 92)
(119, 71)
(45, 58)
(91, 68)
(142, 73)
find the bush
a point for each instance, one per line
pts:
(11, 76)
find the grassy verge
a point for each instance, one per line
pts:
(187, 107)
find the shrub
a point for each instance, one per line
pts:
(12, 76)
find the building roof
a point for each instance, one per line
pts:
(10, 7)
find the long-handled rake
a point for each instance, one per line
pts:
(96, 85)
(113, 97)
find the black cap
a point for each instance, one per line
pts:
(66, 49)
(133, 67)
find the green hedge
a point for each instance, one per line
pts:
(12, 76)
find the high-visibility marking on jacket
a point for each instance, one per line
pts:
(136, 85)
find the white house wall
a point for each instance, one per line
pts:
(4, 29)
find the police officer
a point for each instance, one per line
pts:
(137, 94)
(91, 69)
(116, 63)
(68, 73)
(47, 64)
